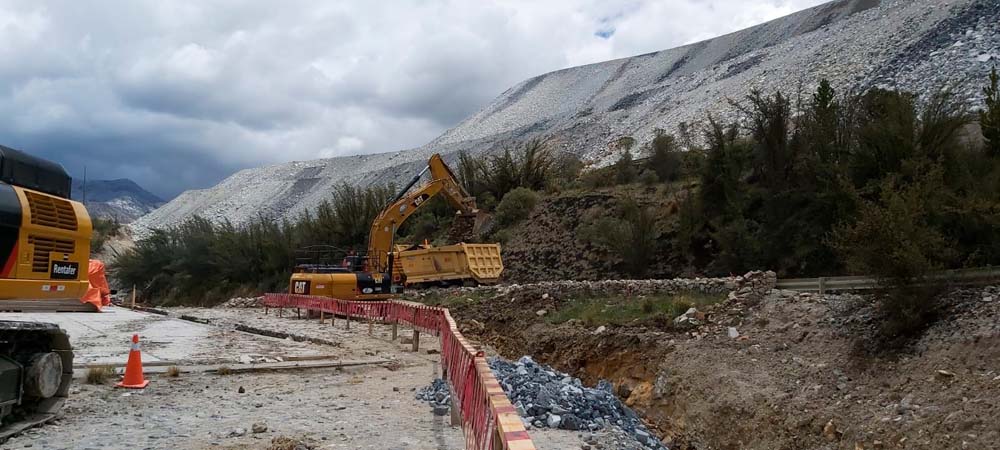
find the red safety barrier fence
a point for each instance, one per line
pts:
(489, 420)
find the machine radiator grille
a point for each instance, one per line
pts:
(51, 211)
(43, 247)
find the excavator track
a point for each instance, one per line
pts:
(36, 370)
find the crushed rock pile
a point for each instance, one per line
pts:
(547, 398)
(438, 395)
(243, 302)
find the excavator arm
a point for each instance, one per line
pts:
(443, 182)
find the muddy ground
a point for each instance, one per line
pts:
(801, 373)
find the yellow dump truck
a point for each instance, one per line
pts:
(458, 263)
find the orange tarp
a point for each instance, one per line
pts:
(99, 293)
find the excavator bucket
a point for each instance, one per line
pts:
(467, 227)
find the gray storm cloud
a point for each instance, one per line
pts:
(177, 95)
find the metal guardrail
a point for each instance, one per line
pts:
(853, 283)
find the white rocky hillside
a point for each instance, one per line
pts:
(917, 45)
(122, 199)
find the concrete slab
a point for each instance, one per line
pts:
(105, 338)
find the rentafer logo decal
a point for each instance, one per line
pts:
(64, 270)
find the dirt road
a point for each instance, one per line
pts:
(368, 407)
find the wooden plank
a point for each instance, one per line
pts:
(13, 429)
(262, 367)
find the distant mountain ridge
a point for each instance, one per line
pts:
(120, 199)
(915, 45)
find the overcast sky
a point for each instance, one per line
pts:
(179, 94)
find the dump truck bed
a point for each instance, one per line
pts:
(478, 263)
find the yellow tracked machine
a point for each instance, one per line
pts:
(44, 253)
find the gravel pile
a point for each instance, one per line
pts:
(546, 398)
(243, 302)
(438, 395)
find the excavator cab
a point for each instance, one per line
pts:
(330, 271)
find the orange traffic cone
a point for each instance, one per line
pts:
(133, 370)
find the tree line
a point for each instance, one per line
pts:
(200, 262)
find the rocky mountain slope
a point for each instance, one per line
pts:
(917, 45)
(120, 199)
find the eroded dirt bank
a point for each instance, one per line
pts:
(799, 372)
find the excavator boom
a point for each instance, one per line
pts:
(443, 182)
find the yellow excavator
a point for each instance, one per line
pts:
(381, 272)
(44, 255)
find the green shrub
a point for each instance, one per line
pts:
(664, 157)
(104, 229)
(529, 164)
(502, 236)
(648, 178)
(598, 178)
(625, 170)
(566, 169)
(516, 206)
(630, 234)
(895, 240)
(625, 143)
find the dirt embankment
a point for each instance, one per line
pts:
(548, 245)
(796, 376)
